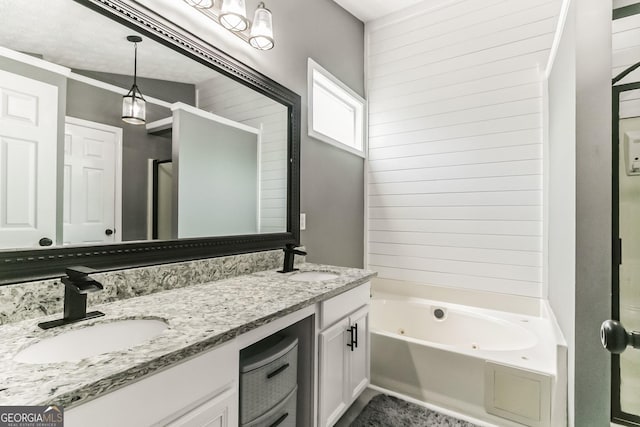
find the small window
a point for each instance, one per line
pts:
(336, 113)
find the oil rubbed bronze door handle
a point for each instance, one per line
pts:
(352, 343)
(355, 341)
(45, 241)
(615, 338)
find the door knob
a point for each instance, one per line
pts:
(615, 338)
(108, 232)
(45, 241)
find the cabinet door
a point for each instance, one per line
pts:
(359, 357)
(168, 395)
(334, 396)
(221, 411)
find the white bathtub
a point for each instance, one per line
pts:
(447, 355)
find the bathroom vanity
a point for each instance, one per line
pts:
(189, 375)
(214, 303)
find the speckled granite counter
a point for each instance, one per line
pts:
(199, 318)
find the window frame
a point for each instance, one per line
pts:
(349, 97)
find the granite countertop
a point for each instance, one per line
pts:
(200, 317)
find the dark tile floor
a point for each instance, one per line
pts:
(355, 409)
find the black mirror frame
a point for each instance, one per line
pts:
(18, 266)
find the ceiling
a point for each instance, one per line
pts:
(69, 34)
(368, 10)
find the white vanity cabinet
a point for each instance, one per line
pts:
(216, 412)
(343, 351)
(333, 346)
(200, 392)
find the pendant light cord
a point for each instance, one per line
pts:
(135, 65)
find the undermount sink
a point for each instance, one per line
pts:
(90, 341)
(313, 276)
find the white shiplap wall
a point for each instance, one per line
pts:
(455, 143)
(229, 99)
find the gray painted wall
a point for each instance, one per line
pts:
(332, 182)
(160, 89)
(561, 191)
(593, 210)
(138, 146)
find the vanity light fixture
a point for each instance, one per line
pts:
(200, 4)
(133, 104)
(262, 29)
(232, 15)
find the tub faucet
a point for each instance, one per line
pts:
(290, 252)
(77, 284)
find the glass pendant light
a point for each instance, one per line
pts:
(262, 29)
(200, 4)
(133, 104)
(233, 15)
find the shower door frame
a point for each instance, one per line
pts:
(617, 414)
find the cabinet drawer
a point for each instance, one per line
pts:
(267, 377)
(283, 415)
(342, 305)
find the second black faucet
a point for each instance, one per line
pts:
(290, 253)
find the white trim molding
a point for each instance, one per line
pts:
(562, 18)
(216, 118)
(33, 61)
(347, 96)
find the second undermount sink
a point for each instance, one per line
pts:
(313, 276)
(92, 340)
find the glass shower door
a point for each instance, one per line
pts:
(626, 264)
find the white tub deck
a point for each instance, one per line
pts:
(444, 361)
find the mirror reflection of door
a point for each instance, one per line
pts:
(28, 141)
(91, 170)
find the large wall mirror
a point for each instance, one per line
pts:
(213, 170)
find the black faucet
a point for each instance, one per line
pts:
(77, 284)
(290, 253)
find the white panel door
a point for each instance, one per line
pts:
(89, 210)
(28, 135)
